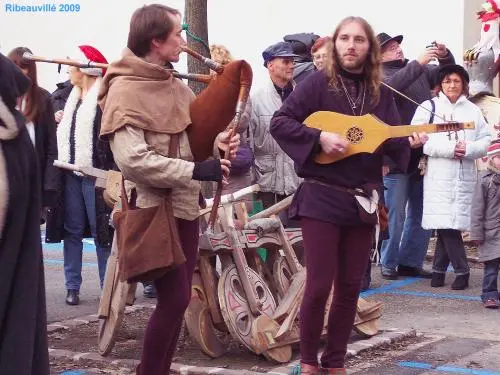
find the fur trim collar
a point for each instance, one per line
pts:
(10, 131)
(491, 167)
(84, 129)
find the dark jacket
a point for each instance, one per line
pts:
(46, 150)
(23, 313)
(60, 95)
(416, 82)
(302, 70)
(102, 159)
(301, 143)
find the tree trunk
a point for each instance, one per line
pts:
(196, 19)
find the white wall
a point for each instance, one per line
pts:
(246, 27)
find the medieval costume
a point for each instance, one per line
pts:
(23, 320)
(337, 235)
(140, 134)
(81, 206)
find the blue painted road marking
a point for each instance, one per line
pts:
(393, 288)
(426, 366)
(447, 369)
(393, 285)
(53, 247)
(60, 261)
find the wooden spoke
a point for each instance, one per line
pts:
(234, 306)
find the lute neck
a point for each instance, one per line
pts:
(407, 130)
(398, 131)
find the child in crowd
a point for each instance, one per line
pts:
(485, 224)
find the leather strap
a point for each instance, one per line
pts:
(172, 153)
(352, 191)
(174, 145)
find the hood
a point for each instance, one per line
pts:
(131, 68)
(137, 93)
(13, 83)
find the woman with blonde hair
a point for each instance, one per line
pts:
(241, 165)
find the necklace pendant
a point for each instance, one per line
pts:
(354, 106)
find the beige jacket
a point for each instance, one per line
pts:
(143, 104)
(142, 158)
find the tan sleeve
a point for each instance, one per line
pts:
(140, 164)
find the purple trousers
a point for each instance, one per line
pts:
(335, 255)
(173, 296)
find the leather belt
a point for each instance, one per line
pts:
(352, 191)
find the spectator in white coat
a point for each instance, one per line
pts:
(450, 174)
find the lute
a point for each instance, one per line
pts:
(366, 133)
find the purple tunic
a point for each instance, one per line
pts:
(301, 143)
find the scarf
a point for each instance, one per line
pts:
(84, 126)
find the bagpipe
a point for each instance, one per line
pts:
(217, 108)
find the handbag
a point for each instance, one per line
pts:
(147, 238)
(368, 205)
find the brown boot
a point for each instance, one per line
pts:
(335, 371)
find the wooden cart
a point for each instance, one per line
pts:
(256, 302)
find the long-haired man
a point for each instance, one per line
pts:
(337, 233)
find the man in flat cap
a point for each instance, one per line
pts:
(273, 169)
(403, 253)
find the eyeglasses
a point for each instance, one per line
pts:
(320, 56)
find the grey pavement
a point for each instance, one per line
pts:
(458, 335)
(90, 291)
(413, 303)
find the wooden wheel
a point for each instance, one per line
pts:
(112, 305)
(199, 321)
(265, 329)
(234, 306)
(282, 276)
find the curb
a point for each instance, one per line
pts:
(386, 337)
(389, 336)
(86, 319)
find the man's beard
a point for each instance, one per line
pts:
(356, 64)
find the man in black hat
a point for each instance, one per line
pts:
(403, 253)
(301, 46)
